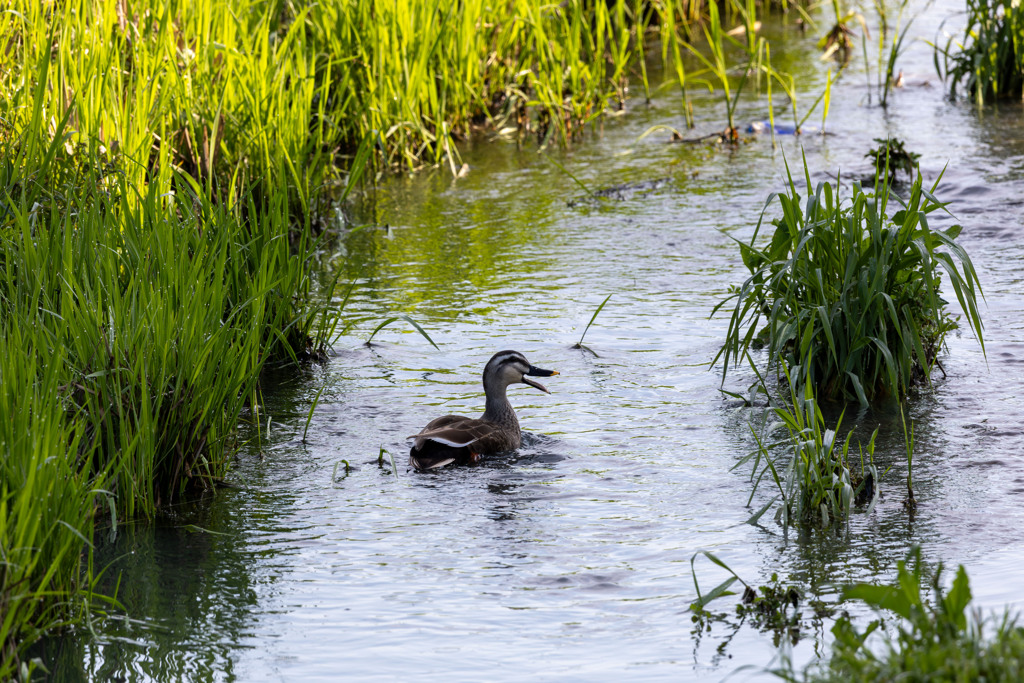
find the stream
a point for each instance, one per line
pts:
(570, 560)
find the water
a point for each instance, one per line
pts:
(570, 560)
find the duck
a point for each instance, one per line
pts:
(462, 440)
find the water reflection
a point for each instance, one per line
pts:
(189, 595)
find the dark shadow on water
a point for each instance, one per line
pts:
(176, 585)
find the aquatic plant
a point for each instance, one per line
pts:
(48, 497)
(909, 503)
(675, 14)
(229, 96)
(717, 64)
(936, 639)
(838, 41)
(988, 62)
(890, 157)
(384, 323)
(718, 591)
(816, 487)
(285, 96)
(851, 291)
(579, 344)
(788, 84)
(424, 76)
(774, 606)
(886, 80)
(391, 457)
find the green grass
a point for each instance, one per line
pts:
(284, 93)
(851, 290)
(580, 344)
(717, 63)
(886, 77)
(134, 323)
(47, 500)
(545, 69)
(816, 485)
(988, 61)
(230, 95)
(270, 95)
(936, 639)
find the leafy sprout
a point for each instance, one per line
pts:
(579, 344)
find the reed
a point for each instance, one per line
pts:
(48, 497)
(674, 15)
(717, 64)
(259, 97)
(789, 86)
(230, 97)
(910, 502)
(392, 319)
(988, 61)
(851, 290)
(896, 47)
(423, 75)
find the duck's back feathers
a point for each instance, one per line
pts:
(453, 430)
(454, 438)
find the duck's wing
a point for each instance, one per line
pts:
(447, 439)
(453, 430)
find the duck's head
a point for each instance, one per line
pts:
(511, 367)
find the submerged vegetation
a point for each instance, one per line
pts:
(851, 291)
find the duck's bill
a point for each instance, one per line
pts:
(538, 372)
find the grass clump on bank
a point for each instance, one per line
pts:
(989, 63)
(284, 95)
(272, 95)
(935, 640)
(847, 294)
(49, 493)
(134, 323)
(227, 93)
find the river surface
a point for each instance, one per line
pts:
(570, 560)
